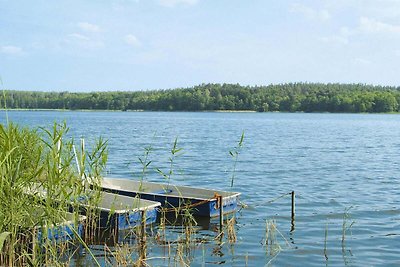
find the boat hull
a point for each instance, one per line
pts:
(121, 221)
(119, 212)
(65, 231)
(61, 233)
(204, 204)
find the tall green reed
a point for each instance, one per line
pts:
(31, 159)
(235, 155)
(175, 152)
(18, 167)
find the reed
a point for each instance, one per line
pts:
(32, 158)
(145, 161)
(326, 243)
(271, 242)
(230, 226)
(235, 155)
(346, 225)
(273, 247)
(18, 167)
(175, 152)
(180, 255)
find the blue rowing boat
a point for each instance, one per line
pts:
(117, 212)
(67, 230)
(122, 212)
(200, 201)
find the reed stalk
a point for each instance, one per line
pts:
(29, 159)
(346, 225)
(235, 155)
(273, 248)
(326, 243)
(231, 230)
(175, 152)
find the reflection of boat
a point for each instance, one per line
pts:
(202, 222)
(201, 202)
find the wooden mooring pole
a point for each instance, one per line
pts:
(221, 214)
(293, 211)
(142, 240)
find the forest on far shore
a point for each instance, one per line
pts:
(291, 97)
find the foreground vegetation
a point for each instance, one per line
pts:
(293, 97)
(46, 159)
(32, 158)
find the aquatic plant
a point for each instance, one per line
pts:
(271, 242)
(346, 226)
(326, 243)
(230, 226)
(32, 159)
(235, 154)
(145, 161)
(175, 152)
(18, 168)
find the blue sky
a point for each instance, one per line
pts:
(159, 44)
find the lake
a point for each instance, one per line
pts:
(344, 169)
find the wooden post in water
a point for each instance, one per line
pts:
(142, 240)
(293, 211)
(221, 214)
(293, 204)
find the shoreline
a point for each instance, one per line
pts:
(129, 110)
(195, 111)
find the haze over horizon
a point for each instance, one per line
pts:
(160, 44)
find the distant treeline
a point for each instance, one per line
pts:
(292, 97)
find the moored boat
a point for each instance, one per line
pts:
(200, 201)
(67, 228)
(117, 212)
(123, 212)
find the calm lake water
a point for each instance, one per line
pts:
(334, 162)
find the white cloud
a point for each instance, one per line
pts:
(362, 61)
(381, 9)
(311, 13)
(11, 50)
(397, 52)
(171, 3)
(341, 38)
(131, 39)
(83, 41)
(369, 25)
(323, 14)
(86, 37)
(345, 32)
(78, 37)
(88, 27)
(335, 39)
